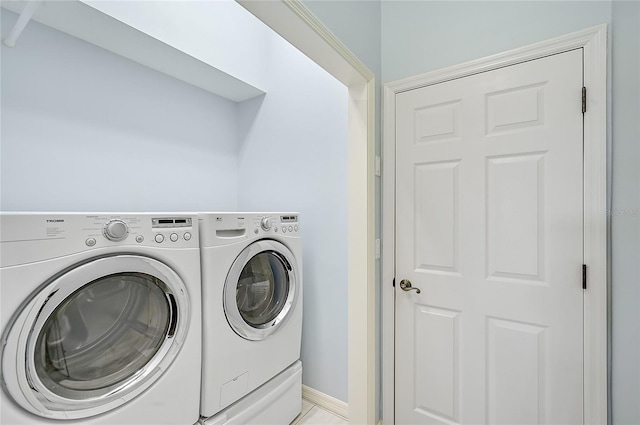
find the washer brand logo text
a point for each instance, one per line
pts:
(55, 221)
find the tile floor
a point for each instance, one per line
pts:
(315, 415)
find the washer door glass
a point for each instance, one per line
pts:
(95, 336)
(102, 335)
(262, 289)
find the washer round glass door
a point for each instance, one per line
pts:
(100, 334)
(260, 290)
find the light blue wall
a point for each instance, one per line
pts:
(293, 157)
(421, 36)
(85, 129)
(625, 213)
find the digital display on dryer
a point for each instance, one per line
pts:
(171, 222)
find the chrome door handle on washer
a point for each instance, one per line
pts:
(405, 285)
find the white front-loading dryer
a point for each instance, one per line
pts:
(101, 318)
(252, 303)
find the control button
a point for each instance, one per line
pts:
(90, 242)
(187, 236)
(265, 223)
(116, 230)
(139, 238)
(284, 229)
(291, 228)
(159, 238)
(295, 227)
(173, 237)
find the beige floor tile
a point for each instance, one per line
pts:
(318, 416)
(306, 406)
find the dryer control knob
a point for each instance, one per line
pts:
(116, 230)
(265, 223)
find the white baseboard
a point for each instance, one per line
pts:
(325, 401)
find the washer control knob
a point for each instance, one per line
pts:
(187, 236)
(159, 238)
(116, 230)
(173, 237)
(265, 223)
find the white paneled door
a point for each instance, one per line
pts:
(489, 216)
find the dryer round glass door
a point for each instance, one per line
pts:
(261, 289)
(97, 336)
(103, 334)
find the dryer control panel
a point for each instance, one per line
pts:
(57, 234)
(151, 230)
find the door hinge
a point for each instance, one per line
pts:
(584, 100)
(584, 276)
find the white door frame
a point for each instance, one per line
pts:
(293, 21)
(593, 41)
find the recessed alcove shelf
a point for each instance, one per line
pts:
(86, 22)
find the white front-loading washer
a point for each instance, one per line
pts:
(252, 304)
(101, 318)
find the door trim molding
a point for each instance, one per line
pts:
(593, 41)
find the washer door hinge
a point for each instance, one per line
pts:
(394, 282)
(584, 276)
(584, 100)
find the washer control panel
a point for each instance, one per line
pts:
(281, 223)
(217, 229)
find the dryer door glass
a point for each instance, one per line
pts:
(262, 289)
(103, 334)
